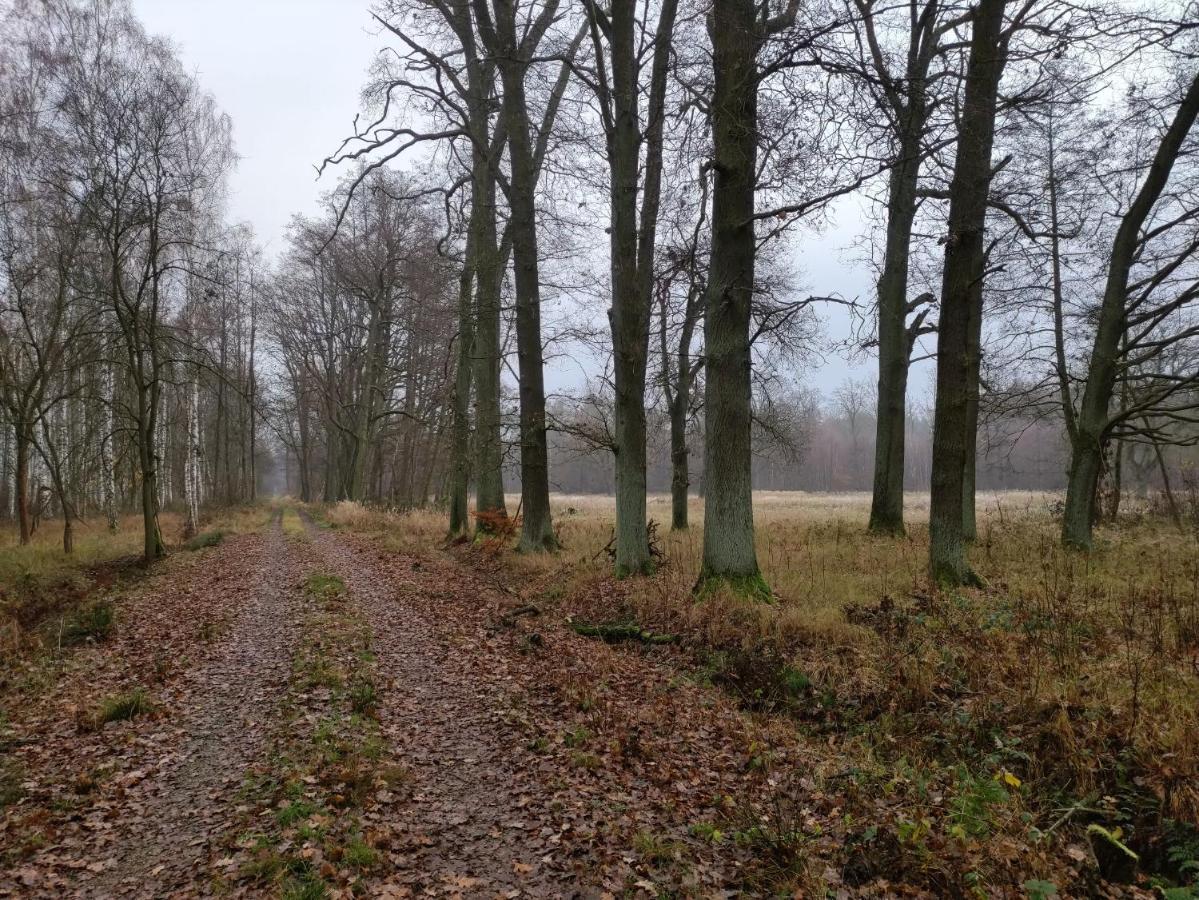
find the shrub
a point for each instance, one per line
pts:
(91, 623)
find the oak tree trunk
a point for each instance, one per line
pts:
(961, 296)
(729, 554)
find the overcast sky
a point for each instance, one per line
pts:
(289, 73)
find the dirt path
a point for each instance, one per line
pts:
(464, 828)
(522, 760)
(146, 830)
(176, 812)
(544, 764)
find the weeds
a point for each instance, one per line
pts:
(91, 623)
(124, 707)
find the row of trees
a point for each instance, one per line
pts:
(1032, 162)
(129, 308)
(1031, 165)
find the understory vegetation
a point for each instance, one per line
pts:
(972, 735)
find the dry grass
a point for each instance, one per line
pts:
(1078, 674)
(39, 582)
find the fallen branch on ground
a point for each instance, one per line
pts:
(621, 631)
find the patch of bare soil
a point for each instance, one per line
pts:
(547, 764)
(130, 808)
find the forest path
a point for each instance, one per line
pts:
(464, 828)
(172, 818)
(511, 757)
(134, 808)
(541, 763)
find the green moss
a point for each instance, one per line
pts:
(746, 587)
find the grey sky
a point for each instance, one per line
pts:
(289, 73)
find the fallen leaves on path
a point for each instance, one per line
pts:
(545, 763)
(129, 808)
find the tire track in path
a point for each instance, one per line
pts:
(465, 831)
(169, 820)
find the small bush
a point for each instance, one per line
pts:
(92, 623)
(205, 539)
(123, 707)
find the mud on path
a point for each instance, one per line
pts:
(145, 798)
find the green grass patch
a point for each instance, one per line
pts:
(123, 707)
(205, 539)
(325, 587)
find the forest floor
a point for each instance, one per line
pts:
(335, 703)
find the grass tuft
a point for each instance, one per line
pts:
(124, 707)
(205, 539)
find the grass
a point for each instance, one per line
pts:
(47, 597)
(325, 587)
(293, 525)
(205, 539)
(1072, 674)
(40, 584)
(123, 707)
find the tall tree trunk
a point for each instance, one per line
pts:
(460, 443)
(680, 477)
(24, 443)
(970, 431)
(537, 531)
(489, 450)
(107, 456)
(1093, 420)
(729, 554)
(633, 246)
(152, 545)
(961, 295)
(629, 314)
(894, 345)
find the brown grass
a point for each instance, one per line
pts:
(40, 583)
